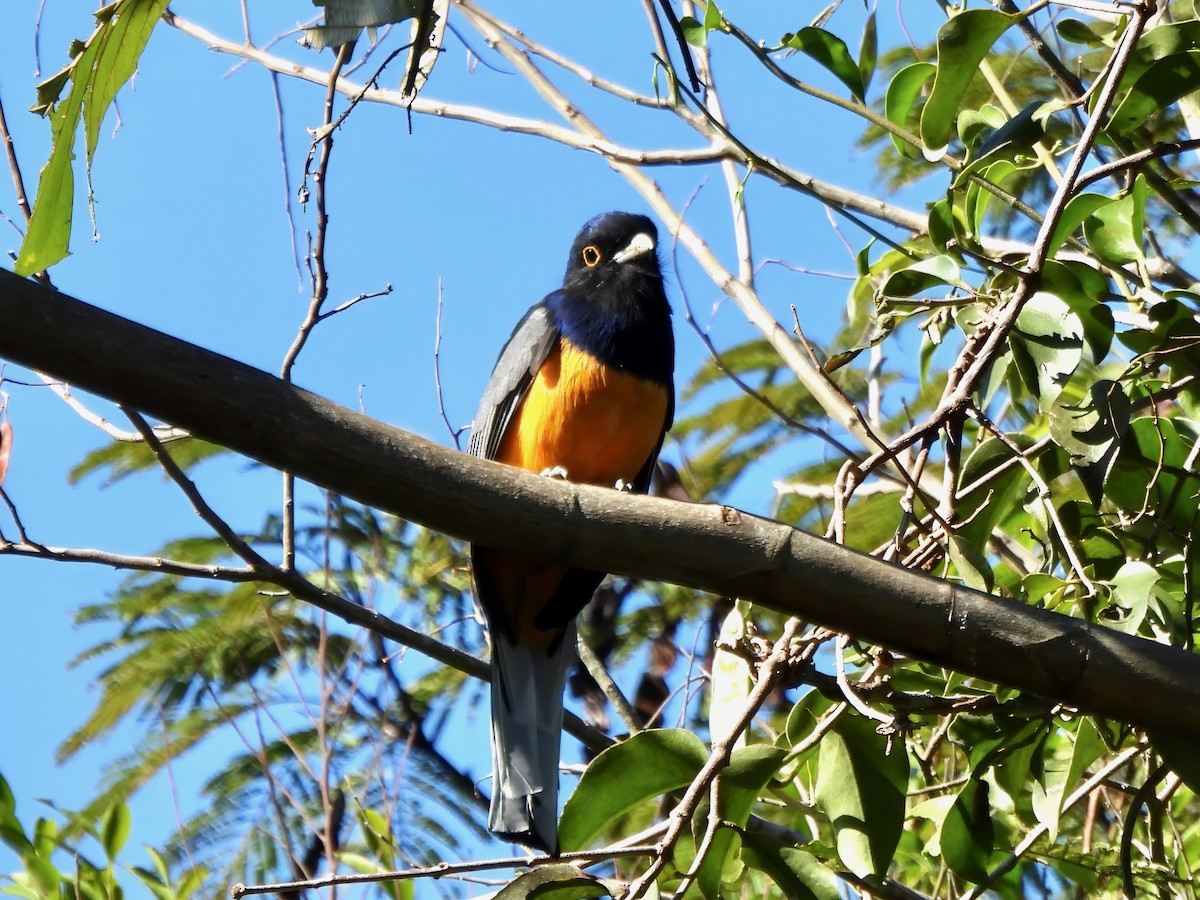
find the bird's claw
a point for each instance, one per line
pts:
(555, 472)
(624, 486)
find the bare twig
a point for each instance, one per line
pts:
(680, 817)
(63, 392)
(135, 563)
(596, 669)
(1044, 495)
(443, 870)
(455, 433)
(319, 275)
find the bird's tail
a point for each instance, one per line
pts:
(527, 713)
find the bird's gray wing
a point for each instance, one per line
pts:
(531, 342)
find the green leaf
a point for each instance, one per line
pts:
(831, 52)
(985, 508)
(1074, 214)
(971, 564)
(937, 271)
(99, 71)
(796, 873)
(861, 789)
(1022, 131)
(962, 43)
(1174, 337)
(1087, 748)
(120, 459)
(1084, 291)
(693, 32)
(115, 831)
(804, 717)
(1164, 82)
(968, 835)
(973, 124)
(1047, 345)
(942, 228)
(1091, 431)
(559, 882)
(712, 16)
(43, 875)
(647, 765)
(1110, 231)
(1131, 593)
(868, 52)
(1081, 33)
(11, 832)
(902, 93)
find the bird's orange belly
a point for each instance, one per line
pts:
(598, 423)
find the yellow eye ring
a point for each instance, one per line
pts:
(591, 256)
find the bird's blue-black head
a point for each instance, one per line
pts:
(612, 303)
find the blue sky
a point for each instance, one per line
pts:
(193, 240)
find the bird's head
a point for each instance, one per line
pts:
(612, 303)
(615, 251)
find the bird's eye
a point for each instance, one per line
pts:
(591, 256)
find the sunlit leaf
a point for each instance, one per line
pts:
(868, 52)
(647, 765)
(560, 882)
(798, 874)
(107, 60)
(968, 834)
(1110, 232)
(1159, 86)
(730, 677)
(1074, 214)
(902, 93)
(962, 43)
(114, 830)
(1047, 345)
(345, 19)
(938, 271)
(861, 789)
(831, 52)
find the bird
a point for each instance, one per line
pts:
(584, 390)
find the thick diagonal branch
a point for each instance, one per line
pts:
(711, 548)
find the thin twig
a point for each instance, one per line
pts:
(1044, 495)
(455, 433)
(596, 669)
(320, 280)
(681, 815)
(442, 870)
(1158, 151)
(135, 563)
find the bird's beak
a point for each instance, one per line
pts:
(641, 244)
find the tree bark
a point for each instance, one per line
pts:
(707, 547)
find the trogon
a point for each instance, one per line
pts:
(582, 390)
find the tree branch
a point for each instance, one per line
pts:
(707, 547)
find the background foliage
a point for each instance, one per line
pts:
(1009, 402)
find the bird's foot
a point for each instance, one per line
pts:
(624, 486)
(555, 472)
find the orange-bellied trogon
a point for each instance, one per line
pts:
(583, 389)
